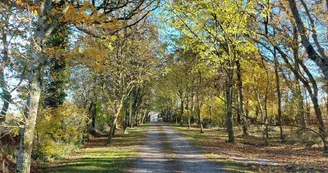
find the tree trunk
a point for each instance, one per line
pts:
(192, 108)
(298, 92)
(133, 106)
(322, 129)
(126, 118)
(181, 108)
(34, 89)
(130, 121)
(6, 98)
(93, 111)
(260, 107)
(143, 118)
(188, 111)
(136, 120)
(307, 110)
(327, 104)
(236, 102)
(200, 120)
(5, 61)
(266, 132)
(31, 112)
(241, 99)
(247, 108)
(113, 123)
(229, 95)
(276, 63)
(301, 109)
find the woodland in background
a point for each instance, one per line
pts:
(75, 69)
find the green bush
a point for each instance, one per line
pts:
(59, 131)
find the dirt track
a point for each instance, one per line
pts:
(166, 150)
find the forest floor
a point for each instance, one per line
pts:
(254, 154)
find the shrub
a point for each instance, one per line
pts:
(59, 131)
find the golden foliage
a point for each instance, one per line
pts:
(59, 128)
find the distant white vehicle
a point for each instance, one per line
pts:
(153, 116)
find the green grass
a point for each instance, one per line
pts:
(100, 158)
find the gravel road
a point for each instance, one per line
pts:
(166, 150)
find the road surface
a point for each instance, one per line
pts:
(167, 151)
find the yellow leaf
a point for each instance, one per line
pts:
(35, 12)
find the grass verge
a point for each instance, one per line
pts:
(95, 157)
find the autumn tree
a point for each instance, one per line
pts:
(219, 37)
